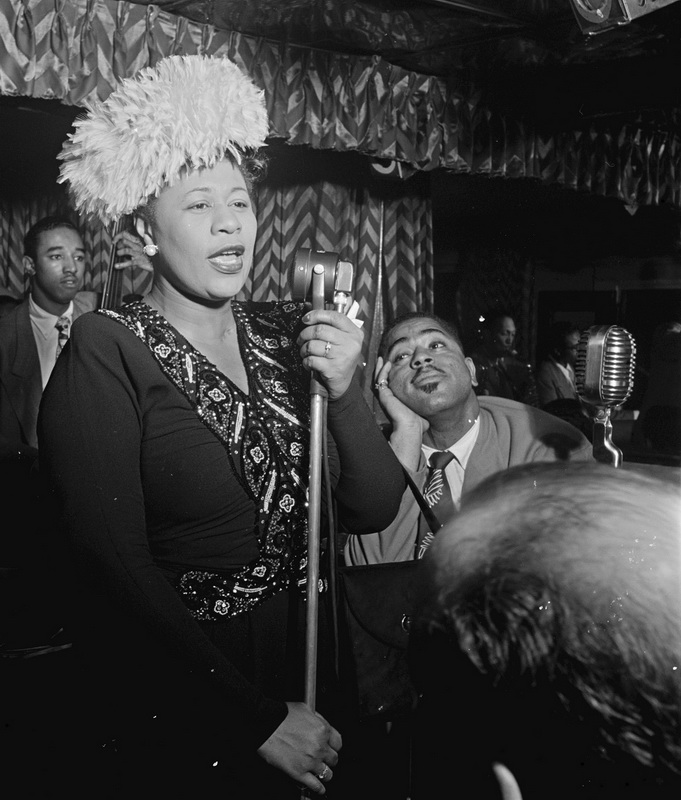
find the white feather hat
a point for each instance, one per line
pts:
(185, 111)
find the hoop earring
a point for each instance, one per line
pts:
(150, 250)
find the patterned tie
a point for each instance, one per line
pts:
(63, 325)
(437, 493)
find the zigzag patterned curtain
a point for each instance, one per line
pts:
(386, 234)
(78, 50)
(384, 230)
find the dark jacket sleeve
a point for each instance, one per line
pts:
(371, 482)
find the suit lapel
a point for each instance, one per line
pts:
(24, 382)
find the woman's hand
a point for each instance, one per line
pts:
(331, 345)
(408, 427)
(305, 746)
(130, 247)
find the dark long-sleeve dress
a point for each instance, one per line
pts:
(183, 504)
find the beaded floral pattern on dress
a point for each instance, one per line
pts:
(265, 433)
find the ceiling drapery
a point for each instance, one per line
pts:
(77, 51)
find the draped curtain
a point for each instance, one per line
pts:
(78, 50)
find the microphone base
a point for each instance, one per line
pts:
(604, 450)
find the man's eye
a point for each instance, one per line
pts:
(400, 357)
(436, 345)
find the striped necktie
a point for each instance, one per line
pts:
(437, 493)
(63, 325)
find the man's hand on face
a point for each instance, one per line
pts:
(397, 412)
(408, 427)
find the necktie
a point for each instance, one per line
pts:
(437, 493)
(63, 325)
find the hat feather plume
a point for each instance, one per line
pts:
(187, 111)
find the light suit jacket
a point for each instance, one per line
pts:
(510, 434)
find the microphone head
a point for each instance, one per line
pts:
(306, 262)
(604, 369)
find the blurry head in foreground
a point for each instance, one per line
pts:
(548, 634)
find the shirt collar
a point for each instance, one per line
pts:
(43, 320)
(461, 449)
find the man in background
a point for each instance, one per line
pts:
(556, 372)
(547, 639)
(556, 386)
(33, 330)
(33, 333)
(499, 370)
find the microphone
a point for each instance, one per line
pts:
(330, 279)
(604, 379)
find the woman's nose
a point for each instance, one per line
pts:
(226, 219)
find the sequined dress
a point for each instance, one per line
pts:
(184, 503)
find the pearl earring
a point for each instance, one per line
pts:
(150, 250)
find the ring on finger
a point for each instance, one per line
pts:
(327, 347)
(324, 774)
(380, 385)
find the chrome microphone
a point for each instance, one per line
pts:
(322, 273)
(604, 378)
(328, 280)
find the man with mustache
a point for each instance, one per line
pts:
(425, 384)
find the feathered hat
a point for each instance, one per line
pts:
(185, 111)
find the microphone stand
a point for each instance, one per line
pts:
(318, 406)
(318, 399)
(603, 448)
(318, 403)
(330, 279)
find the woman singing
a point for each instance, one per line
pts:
(174, 440)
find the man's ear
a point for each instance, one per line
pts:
(508, 786)
(29, 267)
(471, 368)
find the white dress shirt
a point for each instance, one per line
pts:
(454, 471)
(46, 335)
